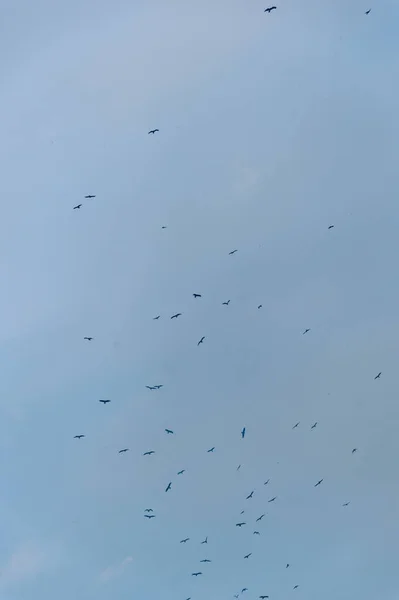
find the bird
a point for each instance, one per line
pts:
(196, 574)
(169, 431)
(184, 541)
(226, 303)
(256, 533)
(104, 401)
(306, 330)
(90, 196)
(269, 10)
(242, 512)
(176, 315)
(378, 376)
(156, 318)
(232, 252)
(260, 306)
(296, 425)
(164, 227)
(181, 472)
(201, 340)
(295, 587)
(88, 338)
(123, 450)
(368, 11)
(354, 450)
(197, 295)
(346, 504)
(243, 433)
(263, 597)
(169, 487)
(266, 482)
(148, 510)
(149, 516)
(78, 437)
(238, 468)
(287, 565)
(205, 560)
(314, 425)
(77, 206)
(331, 227)
(260, 518)
(149, 452)
(244, 590)
(319, 482)
(205, 541)
(273, 499)
(240, 524)
(211, 449)
(151, 387)
(250, 495)
(248, 555)
(158, 387)
(153, 131)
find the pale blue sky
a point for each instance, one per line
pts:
(272, 127)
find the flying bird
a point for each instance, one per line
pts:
(153, 131)
(77, 206)
(184, 541)
(263, 597)
(205, 560)
(269, 10)
(243, 433)
(273, 499)
(346, 504)
(296, 425)
(156, 318)
(260, 518)
(260, 306)
(354, 450)
(104, 401)
(211, 449)
(319, 482)
(151, 387)
(205, 540)
(238, 468)
(164, 227)
(226, 303)
(88, 338)
(250, 495)
(149, 452)
(181, 472)
(368, 11)
(240, 524)
(232, 252)
(196, 574)
(176, 315)
(256, 533)
(89, 196)
(244, 590)
(242, 512)
(378, 376)
(295, 587)
(314, 425)
(149, 516)
(248, 555)
(287, 565)
(169, 431)
(201, 340)
(331, 227)
(123, 450)
(158, 387)
(266, 482)
(306, 330)
(78, 437)
(148, 510)
(169, 487)
(197, 295)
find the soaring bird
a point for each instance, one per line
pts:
(232, 252)
(164, 227)
(238, 468)
(273, 499)
(346, 504)
(256, 533)
(331, 227)
(153, 131)
(201, 340)
(169, 431)
(149, 516)
(104, 401)
(368, 11)
(242, 512)
(295, 587)
(354, 450)
(266, 482)
(211, 449)
(196, 574)
(176, 315)
(226, 303)
(260, 306)
(243, 433)
(197, 295)
(169, 487)
(250, 495)
(240, 524)
(77, 206)
(244, 590)
(181, 472)
(89, 196)
(148, 510)
(314, 425)
(205, 541)
(205, 560)
(248, 555)
(156, 318)
(78, 437)
(260, 518)
(306, 330)
(269, 10)
(149, 452)
(287, 565)
(88, 338)
(378, 376)
(318, 483)
(263, 597)
(184, 541)
(123, 450)
(296, 425)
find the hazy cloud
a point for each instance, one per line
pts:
(115, 570)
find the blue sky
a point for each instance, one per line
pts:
(272, 127)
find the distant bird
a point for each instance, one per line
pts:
(149, 452)
(169, 431)
(266, 482)
(295, 587)
(331, 227)
(88, 338)
(197, 295)
(156, 318)
(211, 449)
(263, 597)
(148, 510)
(176, 315)
(238, 468)
(314, 425)
(123, 450)
(153, 131)
(158, 387)
(78, 437)
(250, 495)
(243, 433)
(104, 401)
(260, 518)
(149, 516)
(378, 376)
(306, 330)
(226, 303)
(256, 533)
(205, 540)
(151, 387)
(354, 450)
(319, 482)
(273, 499)
(201, 340)
(346, 504)
(260, 306)
(184, 541)
(169, 487)
(196, 574)
(248, 555)
(232, 252)
(269, 10)
(240, 524)
(89, 196)
(164, 227)
(205, 560)
(242, 512)
(368, 11)
(77, 206)
(181, 472)
(244, 590)
(296, 425)
(287, 565)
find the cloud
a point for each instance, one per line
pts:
(115, 570)
(26, 562)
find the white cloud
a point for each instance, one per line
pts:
(26, 562)
(115, 570)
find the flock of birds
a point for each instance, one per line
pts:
(149, 512)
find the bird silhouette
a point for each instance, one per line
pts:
(181, 472)
(164, 227)
(169, 487)
(269, 10)
(226, 303)
(196, 574)
(266, 482)
(295, 587)
(151, 387)
(184, 541)
(354, 450)
(238, 468)
(197, 295)
(331, 227)
(306, 331)
(232, 252)
(89, 196)
(104, 401)
(159, 386)
(169, 431)
(149, 516)
(176, 315)
(149, 510)
(318, 483)
(240, 524)
(244, 590)
(243, 433)
(201, 341)
(153, 131)
(346, 504)
(242, 512)
(77, 206)
(78, 437)
(263, 597)
(211, 449)
(296, 425)
(256, 533)
(156, 318)
(205, 541)
(260, 306)
(378, 376)
(368, 11)
(250, 495)
(273, 499)
(260, 518)
(314, 425)
(149, 452)
(287, 565)
(88, 338)
(248, 555)
(205, 560)
(123, 450)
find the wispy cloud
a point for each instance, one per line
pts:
(115, 570)
(26, 562)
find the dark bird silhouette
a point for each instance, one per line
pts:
(273, 499)
(296, 425)
(169, 431)
(331, 227)
(242, 512)
(240, 524)
(169, 487)
(88, 338)
(149, 516)
(260, 306)
(104, 401)
(244, 590)
(196, 574)
(90, 196)
(197, 295)
(346, 504)
(256, 533)
(318, 483)
(164, 227)
(184, 541)
(250, 495)
(238, 468)
(153, 131)
(226, 303)
(123, 450)
(176, 315)
(232, 252)
(266, 482)
(287, 565)
(269, 10)
(295, 587)
(148, 510)
(78, 437)
(77, 206)
(211, 449)
(205, 541)
(248, 555)
(156, 318)
(243, 433)
(368, 11)
(306, 331)
(378, 376)
(201, 341)
(181, 472)
(149, 452)
(263, 597)
(205, 560)
(260, 518)
(314, 425)
(354, 450)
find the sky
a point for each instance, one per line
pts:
(272, 128)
